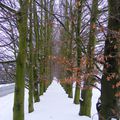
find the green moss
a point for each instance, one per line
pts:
(77, 94)
(18, 110)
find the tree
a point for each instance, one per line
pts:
(110, 79)
(41, 52)
(18, 110)
(31, 79)
(36, 54)
(79, 6)
(86, 94)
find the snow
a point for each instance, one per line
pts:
(96, 95)
(4, 85)
(53, 105)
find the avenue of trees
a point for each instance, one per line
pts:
(78, 41)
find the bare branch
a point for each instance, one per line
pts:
(3, 6)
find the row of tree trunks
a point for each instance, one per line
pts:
(37, 54)
(37, 28)
(66, 49)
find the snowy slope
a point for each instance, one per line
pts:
(53, 105)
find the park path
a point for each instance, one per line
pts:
(53, 105)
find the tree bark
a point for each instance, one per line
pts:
(31, 81)
(86, 95)
(18, 109)
(79, 5)
(36, 55)
(111, 73)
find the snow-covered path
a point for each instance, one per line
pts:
(53, 105)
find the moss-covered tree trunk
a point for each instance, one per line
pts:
(66, 49)
(46, 46)
(31, 81)
(79, 5)
(50, 38)
(18, 109)
(70, 50)
(36, 65)
(41, 52)
(86, 95)
(110, 89)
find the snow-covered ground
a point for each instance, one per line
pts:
(6, 89)
(3, 85)
(53, 105)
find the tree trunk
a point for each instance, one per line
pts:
(79, 6)
(36, 55)
(77, 94)
(41, 53)
(31, 81)
(86, 95)
(18, 109)
(111, 73)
